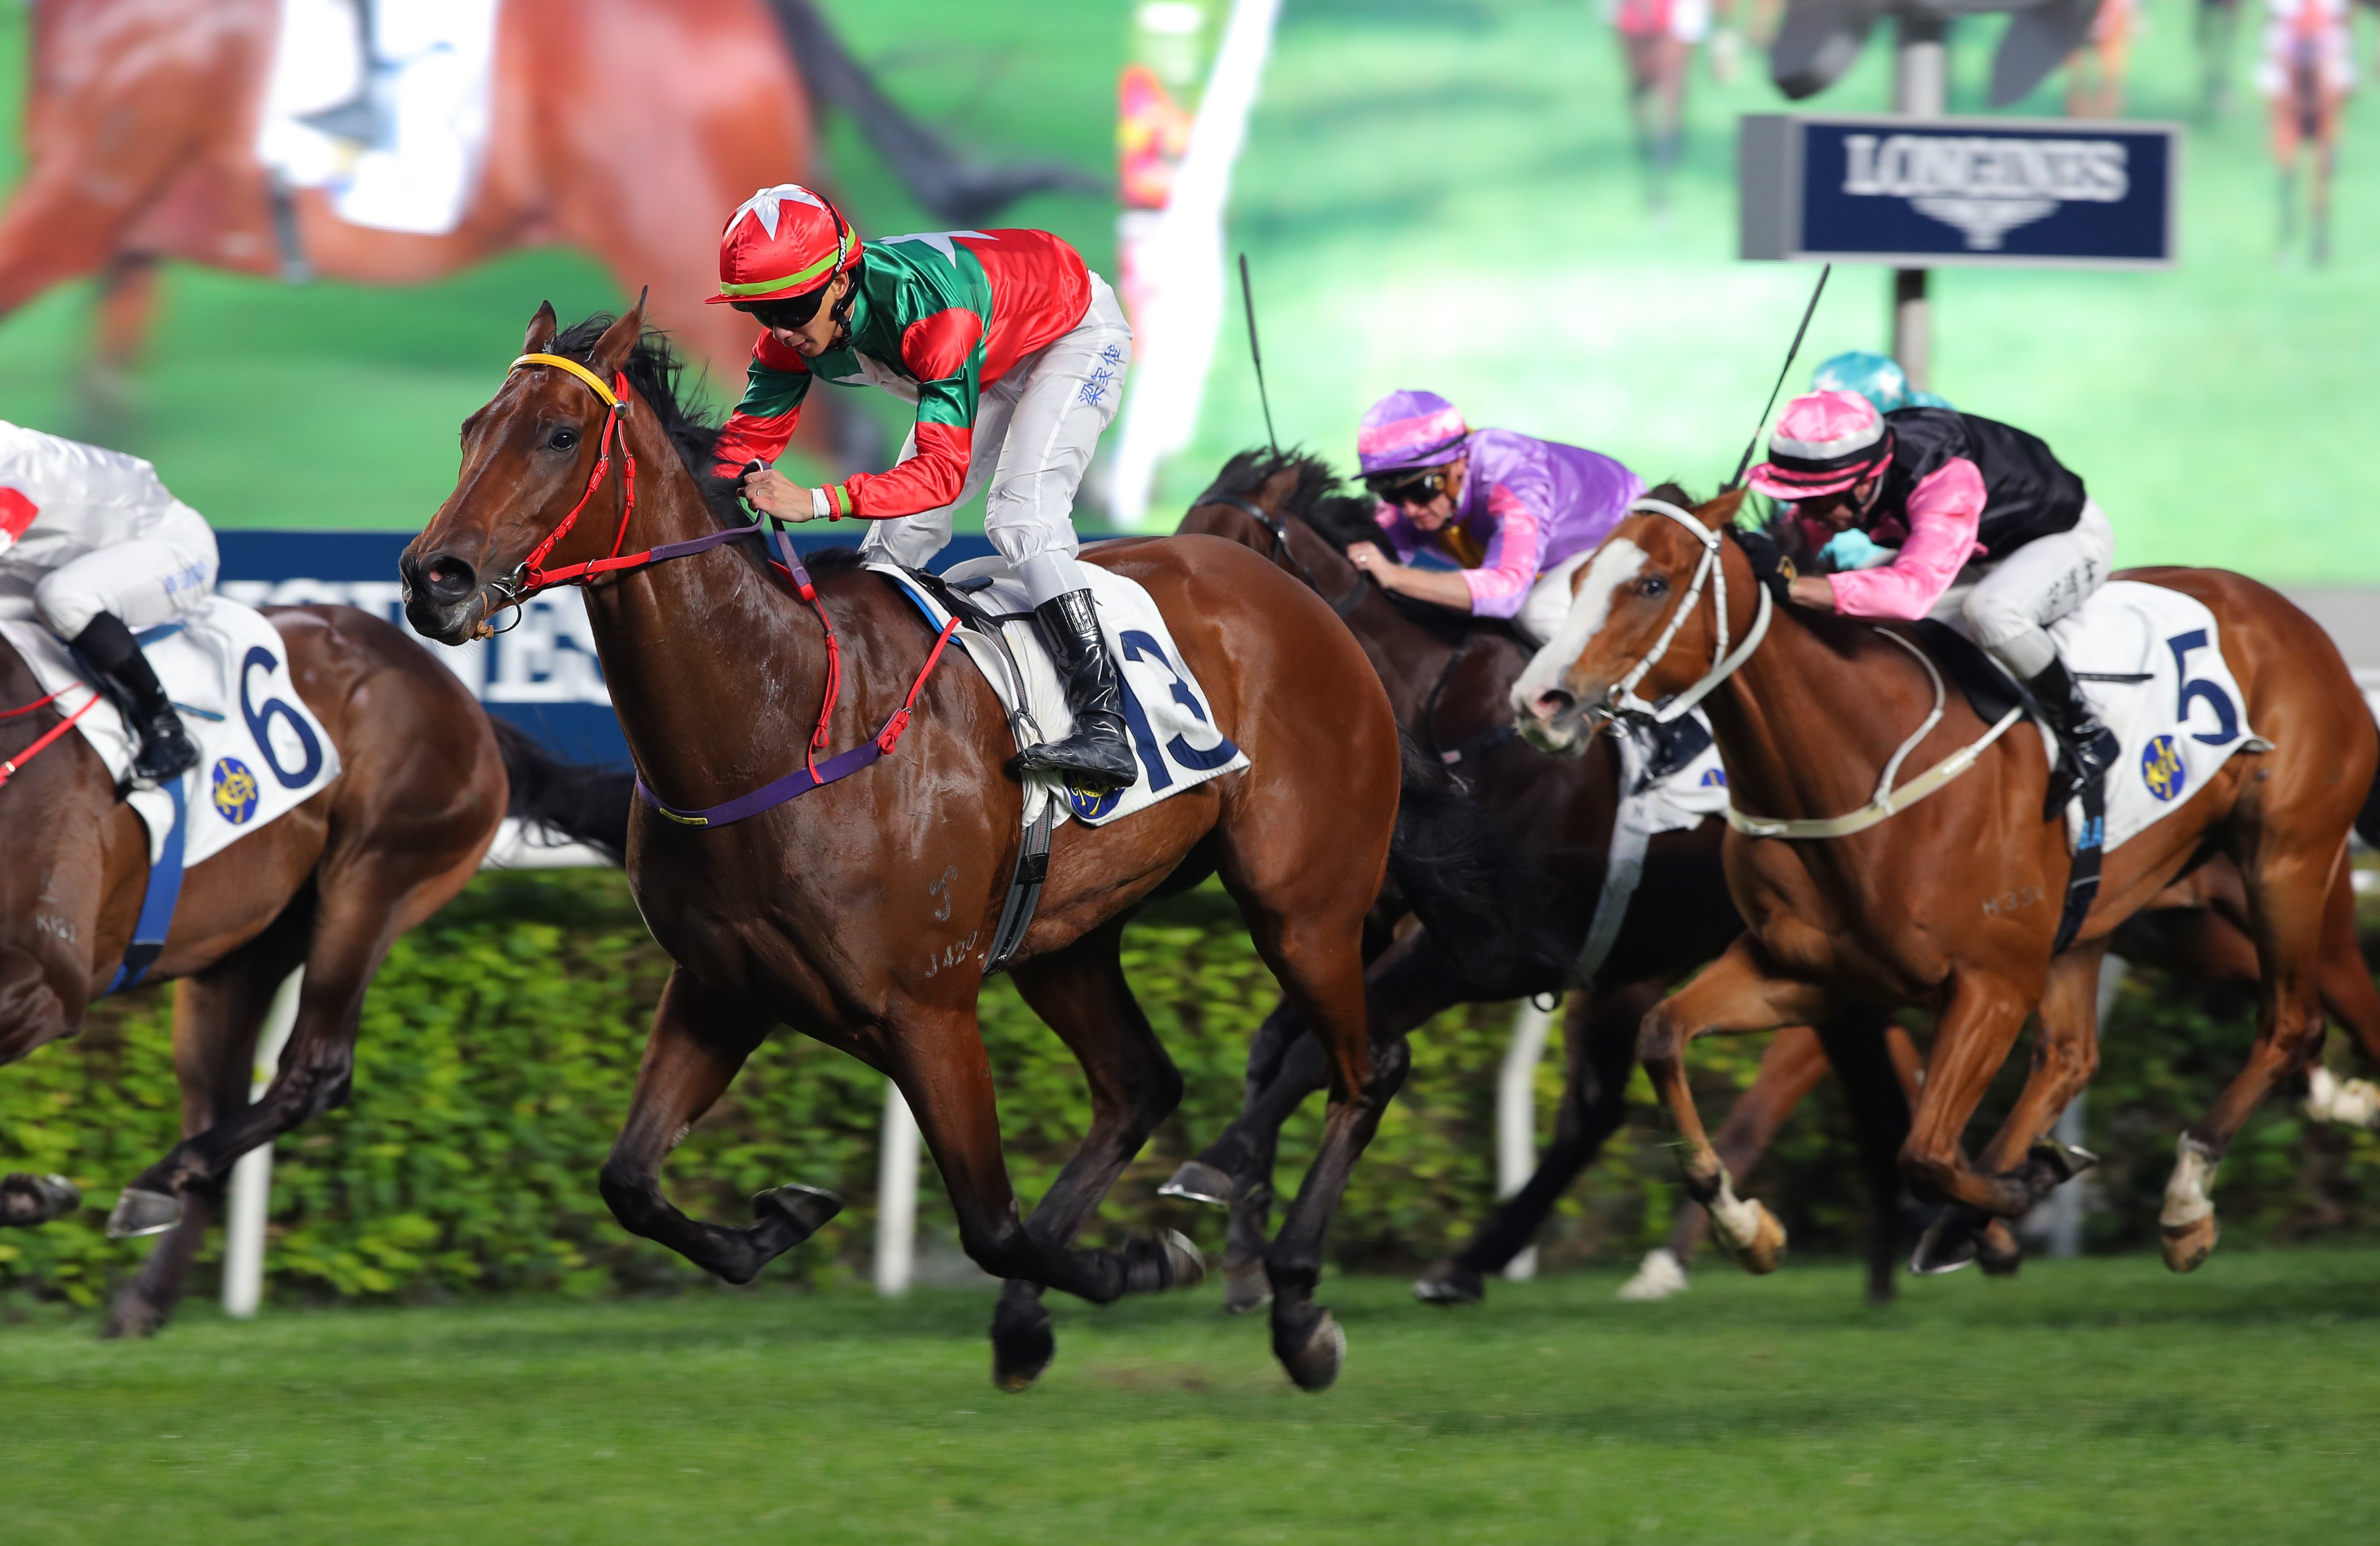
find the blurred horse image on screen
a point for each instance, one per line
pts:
(617, 127)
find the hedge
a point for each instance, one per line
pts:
(501, 1041)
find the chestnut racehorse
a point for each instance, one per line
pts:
(423, 784)
(837, 913)
(628, 129)
(1450, 678)
(1954, 903)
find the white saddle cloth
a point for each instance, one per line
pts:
(1173, 733)
(2178, 723)
(385, 106)
(262, 751)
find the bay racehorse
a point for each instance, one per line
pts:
(861, 914)
(1953, 903)
(425, 778)
(622, 128)
(1450, 678)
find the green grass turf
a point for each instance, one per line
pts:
(1435, 192)
(2100, 1402)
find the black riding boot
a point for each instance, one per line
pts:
(109, 649)
(2090, 748)
(1096, 758)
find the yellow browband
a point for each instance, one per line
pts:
(575, 369)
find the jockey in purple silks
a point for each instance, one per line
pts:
(1519, 515)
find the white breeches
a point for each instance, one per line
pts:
(2009, 605)
(151, 579)
(1035, 431)
(1547, 603)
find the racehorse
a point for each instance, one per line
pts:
(861, 914)
(1449, 677)
(141, 122)
(1879, 914)
(423, 782)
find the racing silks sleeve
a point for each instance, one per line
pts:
(944, 353)
(774, 385)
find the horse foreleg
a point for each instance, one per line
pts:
(217, 1014)
(1599, 1045)
(1977, 1029)
(1736, 992)
(1080, 993)
(1874, 1060)
(127, 303)
(2288, 895)
(698, 1044)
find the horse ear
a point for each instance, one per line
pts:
(1720, 514)
(541, 329)
(619, 340)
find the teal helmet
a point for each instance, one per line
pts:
(1876, 377)
(1928, 399)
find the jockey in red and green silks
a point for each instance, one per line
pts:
(1013, 354)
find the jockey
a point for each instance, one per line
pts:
(1519, 515)
(1879, 379)
(1986, 522)
(98, 548)
(1015, 355)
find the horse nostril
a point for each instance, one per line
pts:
(442, 578)
(1553, 703)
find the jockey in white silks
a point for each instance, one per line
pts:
(94, 545)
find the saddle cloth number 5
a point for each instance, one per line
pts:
(2227, 713)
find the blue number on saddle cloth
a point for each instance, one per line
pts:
(236, 790)
(259, 725)
(1139, 646)
(2161, 767)
(2226, 714)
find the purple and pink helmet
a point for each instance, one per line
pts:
(1824, 442)
(1407, 431)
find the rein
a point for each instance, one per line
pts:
(48, 737)
(529, 579)
(1285, 554)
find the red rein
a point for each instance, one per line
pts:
(9, 768)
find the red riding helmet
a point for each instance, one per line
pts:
(781, 242)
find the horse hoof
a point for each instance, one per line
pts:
(1947, 1243)
(2054, 1164)
(808, 1209)
(1450, 1282)
(131, 1316)
(1313, 1364)
(1021, 1352)
(1247, 1286)
(1185, 1264)
(1661, 1276)
(1199, 1182)
(2187, 1245)
(1997, 1251)
(139, 1212)
(31, 1199)
(1766, 1247)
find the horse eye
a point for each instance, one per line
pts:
(1653, 585)
(562, 440)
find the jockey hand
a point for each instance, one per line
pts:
(1855, 548)
(1368, 557)
(772, 494)
(1811, 590)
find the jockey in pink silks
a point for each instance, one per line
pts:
(1517, 515)
(1944, 515)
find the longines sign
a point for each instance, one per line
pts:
(1923, 194)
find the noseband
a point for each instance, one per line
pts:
(1621, 699)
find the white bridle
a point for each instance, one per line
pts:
(1621, 698)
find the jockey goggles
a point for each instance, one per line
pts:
(1409, 486)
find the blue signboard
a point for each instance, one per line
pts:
(1920, 193)
(542, 674)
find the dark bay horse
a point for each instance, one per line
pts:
(834, 913)
(1450, 680)
(424, 781)
(141, 124)
(1954, 903)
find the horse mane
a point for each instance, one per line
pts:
(1318, 497)
(658, 374)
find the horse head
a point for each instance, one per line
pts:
(529, 489)
(1636, 624)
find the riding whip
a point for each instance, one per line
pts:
(1255, 354)
(1752, 444)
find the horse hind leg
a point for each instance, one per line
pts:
(1081, 993)
(698, 1044)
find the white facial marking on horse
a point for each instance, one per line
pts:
(1619, 562)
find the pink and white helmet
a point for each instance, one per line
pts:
(1824, 442)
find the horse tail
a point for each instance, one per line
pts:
(1484, 903)
(583, 804)
(952, 185)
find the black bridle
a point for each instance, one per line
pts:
(1285, 554)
